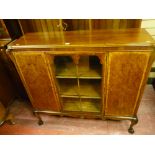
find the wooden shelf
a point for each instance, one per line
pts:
(70, 73)
(90, 74)
(86, 105)
(65, 68)
(90, 88)
(87, 89)
(71, 105)
(91, 106)
(89, 68)
(68, 87)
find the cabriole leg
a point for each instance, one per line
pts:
(133, 122)
(40, 121)
(10, 120)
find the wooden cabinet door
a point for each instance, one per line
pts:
(40, 87)
(126, 71)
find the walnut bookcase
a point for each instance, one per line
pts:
(90, 74)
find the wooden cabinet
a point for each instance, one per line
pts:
(91, 74)
(7, 89)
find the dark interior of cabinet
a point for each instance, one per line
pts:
(79, 84)
(88, 67)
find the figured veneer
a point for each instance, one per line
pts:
(34, 72)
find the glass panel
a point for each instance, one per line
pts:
(64, 67)
(79, 85)
(87, 89)
(68, 87)
(71, 104)
(90, 67)
(91, 105)
(90, 88)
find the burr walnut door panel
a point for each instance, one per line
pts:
(37, 80)
(126, 71)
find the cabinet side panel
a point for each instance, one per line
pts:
(34, 72)
(125, 75)
(7, 91)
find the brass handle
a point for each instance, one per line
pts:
(63, 26)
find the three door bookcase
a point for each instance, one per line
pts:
(88, 74)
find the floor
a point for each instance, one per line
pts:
(26, 123)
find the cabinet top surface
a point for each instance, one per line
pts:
(4, 42)
(84, 38)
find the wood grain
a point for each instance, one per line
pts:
(94, 38)
(121, 98)
(48, 25)
(4, 34)
(35, 75)
(4, 42)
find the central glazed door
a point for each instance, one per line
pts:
(79, 81)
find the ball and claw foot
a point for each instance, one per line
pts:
(133, 122)
(10, 122)
(40, 122)
(131, 130)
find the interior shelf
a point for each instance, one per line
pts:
(90, 105)
(90, 88)
(64, 67)
(85, 105)
(87, 88)
(68, 87)
(69, 73)
(71, 104)
(87, 68)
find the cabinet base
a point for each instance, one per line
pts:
(134, 119)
